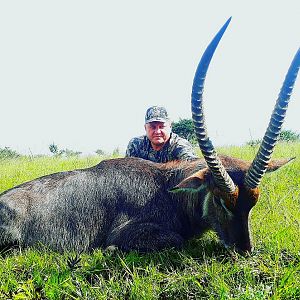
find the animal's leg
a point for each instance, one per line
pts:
(143, 237)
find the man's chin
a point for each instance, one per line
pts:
(158, 142)
(157, 146)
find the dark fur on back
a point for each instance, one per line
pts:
(123, 202)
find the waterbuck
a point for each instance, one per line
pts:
(132, 203)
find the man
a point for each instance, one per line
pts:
(160, 144)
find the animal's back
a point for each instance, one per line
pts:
(78, 209)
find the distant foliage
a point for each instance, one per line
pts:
(54, 149)
(254, 143)
(69, 153)
(6, 152)
(185, 129)
(116, 153)
(285, 135)
(289, 136)
(100, 152)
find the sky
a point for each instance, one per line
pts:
(81, 74)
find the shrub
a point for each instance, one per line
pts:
(116, 153)
(100, 152)
(254, 143)
(6, 152)
(287, 135)
(62, 152)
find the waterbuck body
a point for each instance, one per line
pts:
(132, 203)
(129, 203)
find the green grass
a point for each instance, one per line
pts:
(202, 270)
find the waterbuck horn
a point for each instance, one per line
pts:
(263, 156)
(220, 175)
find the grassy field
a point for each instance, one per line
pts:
(202, 270)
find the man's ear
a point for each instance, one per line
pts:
(273, 165)
(193, 183)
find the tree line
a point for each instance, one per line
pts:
(183, 127)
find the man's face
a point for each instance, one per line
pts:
(158, 133)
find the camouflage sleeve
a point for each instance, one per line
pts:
(130, 151)
(184, 150)
(135, 147)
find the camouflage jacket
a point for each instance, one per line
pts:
(176, 148)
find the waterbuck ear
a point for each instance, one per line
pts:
(193, 183)
(276, 164)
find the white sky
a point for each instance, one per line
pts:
(81, 74)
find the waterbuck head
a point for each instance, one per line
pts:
(231, 184)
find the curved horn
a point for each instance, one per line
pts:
(221, 177)
(263, 156)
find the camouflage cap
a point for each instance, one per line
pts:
(156, 114)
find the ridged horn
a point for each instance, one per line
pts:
(221, 177)
(263, 156)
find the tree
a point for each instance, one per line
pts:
(185, 129)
